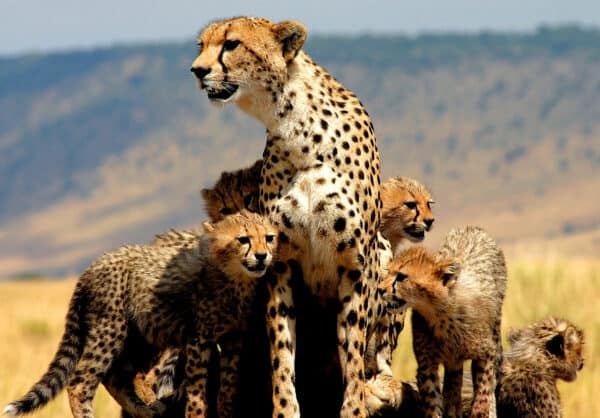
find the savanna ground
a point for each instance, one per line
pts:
(33, 318)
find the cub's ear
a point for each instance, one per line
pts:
(208, 227)
(291, 35)
(448, 270)
(556, 346)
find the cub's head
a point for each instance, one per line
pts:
(406, 210)
(417, 279)
(244, 56)
(234, 191)
(243, 245)
(551, 343)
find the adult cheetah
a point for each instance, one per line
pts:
(192, 296)
(319, 184)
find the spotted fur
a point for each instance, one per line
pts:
(456, 296)
(539, 355)
(233, 191)
(319, 184)
(192, 296)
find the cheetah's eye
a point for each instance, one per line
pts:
(431, 202)
(230, 45)
(244, 240)
(401, 276)
(269, 238)
(411, 205)
(225, 211)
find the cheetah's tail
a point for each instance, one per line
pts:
(66, 357)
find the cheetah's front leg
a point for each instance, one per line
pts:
(281, 328)
(352, 341)
(484, 386)
(231, 347)
(453, 376)
(198, 353)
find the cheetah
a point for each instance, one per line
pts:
(406, 212)
(319, 184)
(191, 296)
(539, 355)
(456, 296)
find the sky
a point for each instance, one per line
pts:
(49, 25)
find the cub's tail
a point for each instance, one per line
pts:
(64, 362)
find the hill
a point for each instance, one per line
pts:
(109, 146)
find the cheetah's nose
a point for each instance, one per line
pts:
(200, 72)
(261, 256)
(428, 222)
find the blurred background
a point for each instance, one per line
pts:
(105, 140)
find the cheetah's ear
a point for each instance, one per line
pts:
(291, 35)
(448, 270)
(208, 227)
(556, 346)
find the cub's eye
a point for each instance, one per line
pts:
(225, 211)
(200, 47)
(411, 205)
(229, 45)
(269, 238)
(244, 240)
(400, 277)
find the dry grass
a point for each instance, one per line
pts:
(34, 312)
(33, 315)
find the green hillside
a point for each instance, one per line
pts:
(109, 146)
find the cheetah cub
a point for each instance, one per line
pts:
(192, 295)
(539, 355)
(456, 296)
(406, 212)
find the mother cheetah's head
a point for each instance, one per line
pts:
(243, 57)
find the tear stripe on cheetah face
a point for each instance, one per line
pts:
(319, 184)
(174, 296)
(457, 297)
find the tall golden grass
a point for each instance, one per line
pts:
(33, 318)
